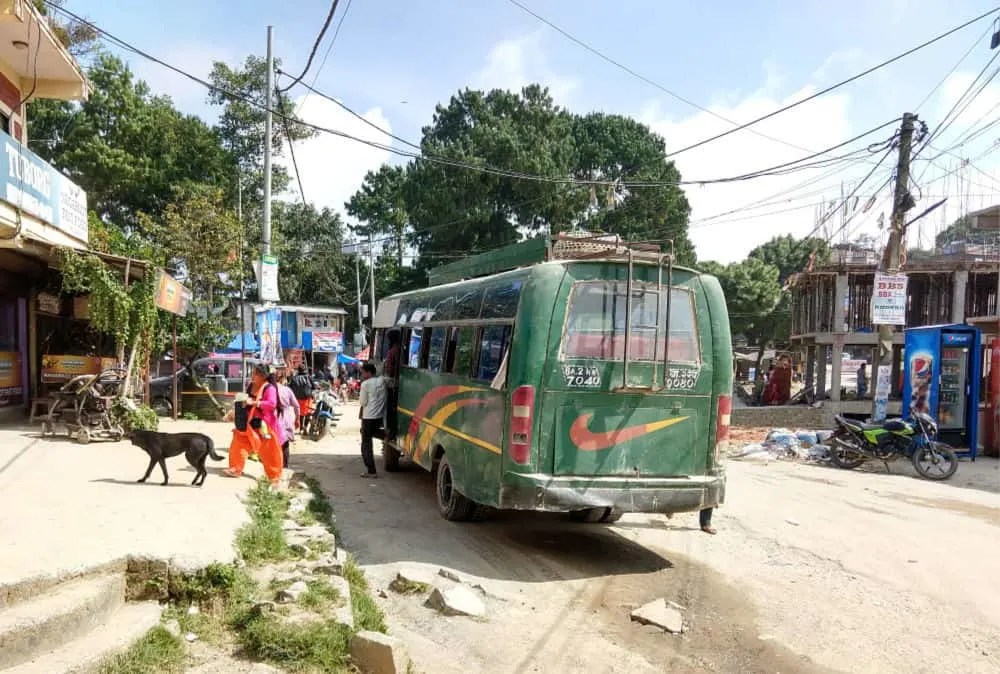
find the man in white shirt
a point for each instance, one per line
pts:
(373, 396)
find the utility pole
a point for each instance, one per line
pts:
(357, 276)
(371, 282)
(269, 88)
(243, 297)
(902, 201)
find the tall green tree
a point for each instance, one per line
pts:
(380, 208)
(791, 255)
(618, 148)
(313, 268)
(127, 148)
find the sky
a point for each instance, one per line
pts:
(394, 60)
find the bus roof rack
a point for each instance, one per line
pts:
(577, 245)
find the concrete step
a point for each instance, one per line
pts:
(45, 622)
(82, 656)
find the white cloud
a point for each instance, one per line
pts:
(512, 64)
(332, 167)
(191, 57)
(815, 125)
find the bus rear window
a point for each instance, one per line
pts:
(595, 326)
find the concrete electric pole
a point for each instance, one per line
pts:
(268, 92)
(891, 258)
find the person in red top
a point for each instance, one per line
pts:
(390, 373)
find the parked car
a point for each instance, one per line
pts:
(221, 374)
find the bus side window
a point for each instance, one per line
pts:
(464, 350)
(437, 343)
(449, 350)
(413, 353)
(492, 347)
(425, 348)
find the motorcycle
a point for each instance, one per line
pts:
(854, 443)
(323, 415)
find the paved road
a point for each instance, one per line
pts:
(814, 570)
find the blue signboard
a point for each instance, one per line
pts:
(31, 184)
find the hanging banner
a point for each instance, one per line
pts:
(882, 386)
(889, 299)
(11, 391)
(60, 368)
(269, 336)
(328, 342)
(267, 277)
(171, 296)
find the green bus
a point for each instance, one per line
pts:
(542, 388)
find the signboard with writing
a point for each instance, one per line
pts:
(62, 368)
(328, 342)
(28, 182)
(268, 277)
(171, 295)
(11, 391)
(317, 321)
(889, 299)
(882, 387)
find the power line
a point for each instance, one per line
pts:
(848, 198)
(951, 72)
(291, 145)
(640, 76)
(315, 47)
(506, 173)
(834, 86)
(326, 55)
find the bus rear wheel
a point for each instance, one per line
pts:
(452, 505)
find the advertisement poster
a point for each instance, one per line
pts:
(268, 276)
(294, 358)
(171, 296)
(882, 386)
(63, 368)
(328, 342)
(318, 321)
(889, 300)
(269, 336)
(11, 391)
(920, 375)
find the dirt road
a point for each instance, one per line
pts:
(813, 570)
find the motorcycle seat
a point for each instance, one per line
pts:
(858, 425)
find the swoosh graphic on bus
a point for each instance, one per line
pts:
(436, 423)
(430, 399)
(589, 441)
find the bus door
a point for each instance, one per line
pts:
(647, 418)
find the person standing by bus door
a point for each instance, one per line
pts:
(373, 397)
(390, 372)
(705, 520)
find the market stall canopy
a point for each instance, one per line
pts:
(347, 360)
(237, 343)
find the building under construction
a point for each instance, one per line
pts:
(831, 321)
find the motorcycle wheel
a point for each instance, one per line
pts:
(843, 457)
(319, 429)
(941, 461)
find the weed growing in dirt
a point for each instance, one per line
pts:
(319, 508)
(322, 645)
(406, 586)
(321, 595)
(367, 614)
(159, 651)
(263, 538)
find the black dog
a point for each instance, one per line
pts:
(195, 447)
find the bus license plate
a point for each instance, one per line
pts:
(578, 376)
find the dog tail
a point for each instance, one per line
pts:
(211, 450)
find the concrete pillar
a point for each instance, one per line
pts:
(810, 366)
(840, 307)
(959, 283)
(838, 359)
(821, 362)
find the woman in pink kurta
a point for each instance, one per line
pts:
(264, 405)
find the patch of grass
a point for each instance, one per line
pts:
(310, 646)
(205, 625)
(319, 508)
(320, 595)
(159, 651)
(213, 583)
(305, 518)
(263, 538)
(367, 614)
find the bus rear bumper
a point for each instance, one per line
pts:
(648, 495)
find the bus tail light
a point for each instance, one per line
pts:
(522, 417)
(723, 417)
